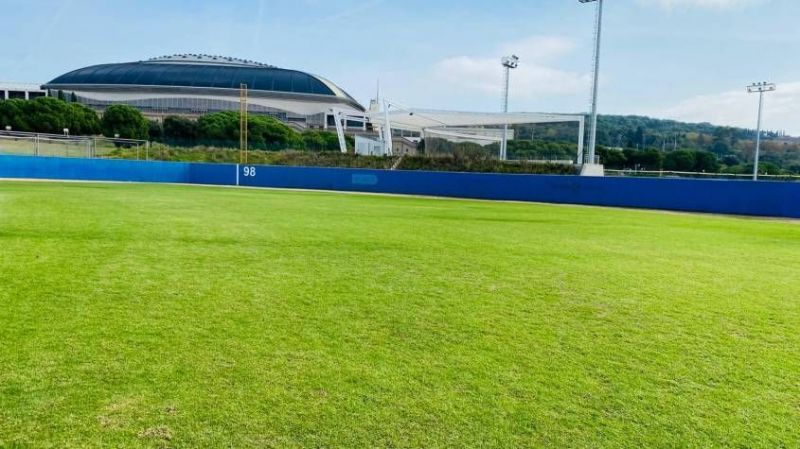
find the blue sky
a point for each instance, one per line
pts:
(684, 59)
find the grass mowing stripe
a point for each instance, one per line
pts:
(148, 315)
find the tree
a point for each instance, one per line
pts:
(681, 160)
(263, 131)
(613, 159)
(767, 168)
(270, 131)
(220, 126)
(731, 160)
(155, 130)
(14, 113)
(706, 162)
(47, 115)
(180, 128)
(644, 160)
(320, 141)
(81, 120)
(637, 138)
(721, 147)
(125, 121)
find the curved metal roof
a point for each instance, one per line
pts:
(201, 71)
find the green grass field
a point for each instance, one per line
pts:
(170, 316)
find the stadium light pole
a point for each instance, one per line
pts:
(596, 77)
(759, 88)
(509, 62)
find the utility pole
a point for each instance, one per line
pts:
(759, 88)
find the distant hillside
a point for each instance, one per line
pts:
(632, 131)
(733, 147)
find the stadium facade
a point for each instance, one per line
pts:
(196, 84)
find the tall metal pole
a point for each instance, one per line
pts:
(595, 82)
(509, 62)
(759, 88)
(388, 144)
(758, 135)
(504, 143)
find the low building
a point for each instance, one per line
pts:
(22, 91)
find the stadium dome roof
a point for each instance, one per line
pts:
(201, 71)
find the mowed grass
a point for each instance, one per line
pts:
(171, 316)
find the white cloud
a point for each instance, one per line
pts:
(738, 108)
(712, 4)
(536, 75)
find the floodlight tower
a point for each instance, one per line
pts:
(509, 62)
(596, 77)
(759, 88)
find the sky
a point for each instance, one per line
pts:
(683, 59)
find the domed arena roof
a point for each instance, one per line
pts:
(202, 72)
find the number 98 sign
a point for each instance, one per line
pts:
(249, 172)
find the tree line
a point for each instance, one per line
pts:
(52, 115)
(49, 115)
(221, 129)
(733, 147)
(680, 160)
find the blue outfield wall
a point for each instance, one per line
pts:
(766, 198)
(115, 170)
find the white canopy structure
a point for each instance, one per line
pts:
(448, 122)
(421, 119)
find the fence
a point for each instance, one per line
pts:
(62, 145)
(698, 175)
(768, 198)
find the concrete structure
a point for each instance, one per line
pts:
(192, 85)
(401, 146)
(366, 146)
(405, 146)
(22, 91)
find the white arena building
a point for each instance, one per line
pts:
(195, 84)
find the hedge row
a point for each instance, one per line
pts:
(337, 159)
